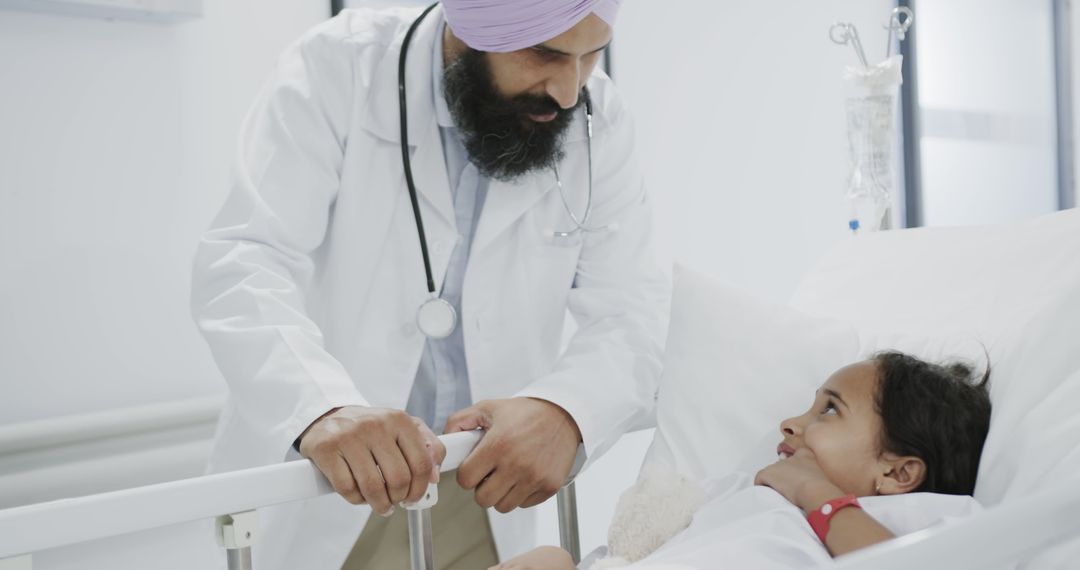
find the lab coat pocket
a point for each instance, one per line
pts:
(556, 236)
(556, 262)
(560, 240)
(555, 252)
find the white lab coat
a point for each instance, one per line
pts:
(307, 285)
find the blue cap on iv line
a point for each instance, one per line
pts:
(854, 225)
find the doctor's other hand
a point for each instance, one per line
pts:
(525, 456)
(376, 456)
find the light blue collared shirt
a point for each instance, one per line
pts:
(441, 386)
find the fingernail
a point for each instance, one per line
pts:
(388, 513)
(435, 473)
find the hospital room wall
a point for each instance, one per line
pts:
(116, 141)
(115, 150)
(741, 131)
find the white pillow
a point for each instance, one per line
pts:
(733, 365)
(975, 279)
(912, 512)
(1037, 451)
(736, 366)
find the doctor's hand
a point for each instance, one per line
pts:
(525, 456)
(372, 455)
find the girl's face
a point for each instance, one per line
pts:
(843, 430)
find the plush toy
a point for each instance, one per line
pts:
(660, 505)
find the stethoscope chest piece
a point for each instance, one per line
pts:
(436, 318)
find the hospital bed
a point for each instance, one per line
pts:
(1010, 293)
(1014, 289)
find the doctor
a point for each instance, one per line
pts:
(418, 201)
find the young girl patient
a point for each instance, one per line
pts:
(886, 426)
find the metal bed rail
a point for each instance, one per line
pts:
(1004, 533)
(229, 498)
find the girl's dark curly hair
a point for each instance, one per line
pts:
(938, 413)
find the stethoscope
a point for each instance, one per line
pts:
(436, 317)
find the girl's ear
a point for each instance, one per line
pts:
(903, 475)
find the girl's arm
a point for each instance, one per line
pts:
(800, 480)
(850, 528)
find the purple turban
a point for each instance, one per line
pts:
(510, 25)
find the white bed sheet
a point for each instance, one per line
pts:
(747, 526)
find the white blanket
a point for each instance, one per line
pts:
(744, 526)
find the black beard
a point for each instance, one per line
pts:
(500, 138)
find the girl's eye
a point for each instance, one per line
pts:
(830, 408)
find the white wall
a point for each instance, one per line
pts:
(115, 150)
(116, 140)
(741, 128)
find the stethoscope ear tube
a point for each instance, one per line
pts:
(405, 161)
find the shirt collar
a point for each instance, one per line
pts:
(442, 110)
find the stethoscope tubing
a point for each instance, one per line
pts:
(407, 162)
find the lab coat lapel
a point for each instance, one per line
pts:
(429, 174)
(506, 202)
(381, 116)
